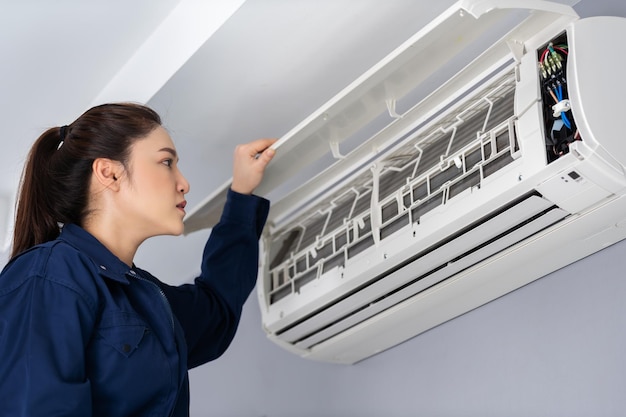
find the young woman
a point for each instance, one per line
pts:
(85, 332)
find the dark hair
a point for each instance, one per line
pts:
(54, 188)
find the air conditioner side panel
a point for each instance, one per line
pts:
(596, 97)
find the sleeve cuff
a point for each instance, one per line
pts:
(246, 209)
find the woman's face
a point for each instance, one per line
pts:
(154, 189)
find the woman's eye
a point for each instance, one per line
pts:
(168, 162)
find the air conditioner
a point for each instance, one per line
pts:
(510, 169)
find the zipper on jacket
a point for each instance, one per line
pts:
(168, 307)
(162, 296)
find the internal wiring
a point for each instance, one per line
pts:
(559, 96)
(556, 100)
(552, 61)
(552, 50)
(562, 50)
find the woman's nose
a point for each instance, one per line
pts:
(183, 184)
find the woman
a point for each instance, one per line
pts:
(83, 331)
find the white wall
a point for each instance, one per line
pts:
(553, 348)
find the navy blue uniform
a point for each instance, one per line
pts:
(83, 334)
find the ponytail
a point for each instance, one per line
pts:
(55, 183)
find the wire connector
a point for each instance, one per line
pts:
(561, 107)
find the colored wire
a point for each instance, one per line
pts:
(559, 95)
(566, 121)
(561, 50)
(553, 96)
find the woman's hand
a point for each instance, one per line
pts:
(249, 164)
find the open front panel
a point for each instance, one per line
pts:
(465, 31)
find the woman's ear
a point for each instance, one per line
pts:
(107, 172)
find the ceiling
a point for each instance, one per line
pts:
(219, 72)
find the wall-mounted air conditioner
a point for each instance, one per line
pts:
(510, 169)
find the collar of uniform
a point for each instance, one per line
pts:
(109, 265)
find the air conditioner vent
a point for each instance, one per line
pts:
(493, 233)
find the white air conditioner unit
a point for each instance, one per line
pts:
(509, 170)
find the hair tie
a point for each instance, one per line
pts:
(62, 133)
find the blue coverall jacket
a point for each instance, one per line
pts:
(83, 334)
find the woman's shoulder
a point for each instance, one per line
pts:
(56, 262)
